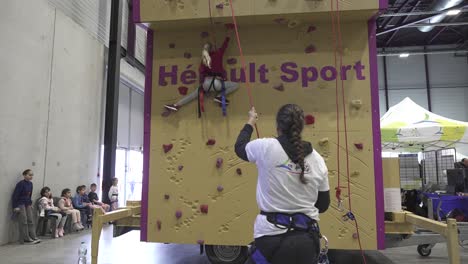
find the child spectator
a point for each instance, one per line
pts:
(46, 205)
(94, 198)
(81, 192)
(114, 194)
(66, 206)
(21, 203)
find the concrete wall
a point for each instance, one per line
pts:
(50, 102)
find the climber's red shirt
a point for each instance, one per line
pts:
(216, 62)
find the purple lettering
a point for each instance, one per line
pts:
(325, 70)
(263, 70)
(358, 67)
(234, 76)
(163, 74)
(252, 72)
(309, 74)
(287, 68)
(344, 71)
(188, 76)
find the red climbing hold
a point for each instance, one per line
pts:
(279, 87)
(204, 208)
(180, 168)
(220, 188)
(220, 6)
(204, 34)
(229, 26)
(219, 163)
(159, 224)
(359, 146)
(210, 142)
(311, 29)
(183, 90)
(310, 49)
(239, 171)
(171, 45)
(232, 61)
(178, 214)
(166, 197)
(309, 119)
(167, 147)
(200, 242)
(187, 55)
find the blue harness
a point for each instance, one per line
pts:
(296, 222)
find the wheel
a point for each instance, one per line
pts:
(227, 254)
(424, 250)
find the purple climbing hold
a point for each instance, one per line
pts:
(180, 168)
(166, 113)
(220, 6)
(219, 163)
(187, 55)
(159, 225)
(311, 29)
(220, 188)
(359, 146)
(355, 236)
(210, 142)
(166, 197)
(167, 147)
(200, 242)
(280, 20)
(239, 171)
(204, 34)
(171, 45)
(178, 214)
(279, 87)
(232, 61)
(310, 49)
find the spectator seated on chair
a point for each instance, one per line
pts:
(65, 204)
(94, 198)
(47, 210)
(82, 204)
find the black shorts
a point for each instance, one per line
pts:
(297, 247)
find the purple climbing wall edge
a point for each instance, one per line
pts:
(383, 4)
(374, 82)
(136, 11)
(147, 133)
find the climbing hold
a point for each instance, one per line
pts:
(293, 23)
(219, 163)
(310, 49)
(200, 242)
(311, 29)
(280, 20)
(279, 87)
(239, 171)
(355, 236)
(204, 34)
(211, 142)
(309, 119)
(359, 146)
(204, 208)
(232, 61)
(167, 147)
(220, 6)
(178, 214)
(356, 104)
(166, 197)
(180, 168)
(171, 45)
(355, 174)
(187, 55)
(220, 188)
(323, 142)
(349, 216)
(229, 26)
(183, 90)
(159, 225)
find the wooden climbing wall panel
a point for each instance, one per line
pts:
(189, 199)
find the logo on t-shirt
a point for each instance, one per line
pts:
(293, 168)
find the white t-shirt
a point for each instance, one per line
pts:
(279, 188)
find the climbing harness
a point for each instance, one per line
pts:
(201, 93)
(291, 222)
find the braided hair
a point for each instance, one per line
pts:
(290, 121)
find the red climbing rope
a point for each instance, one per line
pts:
(212, 26)
(340, 48)
(247, 82)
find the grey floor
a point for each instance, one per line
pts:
(127, 249)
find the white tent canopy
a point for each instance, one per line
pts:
(408, 127)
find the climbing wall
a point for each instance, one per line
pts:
(198, 191)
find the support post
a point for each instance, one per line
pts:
(428, 83)
(452, 242)
(112, 97)
(96, 234)
(385, 82)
